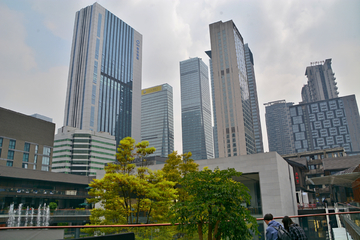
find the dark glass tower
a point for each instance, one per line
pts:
(104, 83)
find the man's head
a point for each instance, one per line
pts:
(268, 218)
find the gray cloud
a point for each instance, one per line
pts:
(284, 36)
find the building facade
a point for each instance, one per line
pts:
(197, 133)
(278, 127)
(25, 141)
(255, 112)
(231, 96)
(326, 124)
(82, 152)
(321, 82)
(104, 82)
(157, 119)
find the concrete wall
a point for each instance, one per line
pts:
(277, 185)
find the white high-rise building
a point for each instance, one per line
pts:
(104, 83)
(231, 97)
(157, 120)
(321, 82)
(197, 133)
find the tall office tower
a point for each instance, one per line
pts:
(232, 107)
(197, 132)
(278, 127)
(157, 119)
(82, 152)
(321, 81)
(214, 129)
(254, 99)
(326, 124)
(104, 84)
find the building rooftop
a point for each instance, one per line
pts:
(12, 172)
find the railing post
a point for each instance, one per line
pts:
(327, 222)
(77, 232)
(336, 209)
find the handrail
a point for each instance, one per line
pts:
(158, 224)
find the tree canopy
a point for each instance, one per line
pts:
(127, 194)
(214, 206)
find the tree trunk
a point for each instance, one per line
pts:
(200, 231)
(216, 229)
(210, 228)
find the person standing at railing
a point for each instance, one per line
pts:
(296, 232)
(271, 232)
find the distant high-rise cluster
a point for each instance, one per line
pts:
(322, 120)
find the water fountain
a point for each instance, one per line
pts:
(26, 216)
(11, 219)
(19, 215)
(38, 220)
(42, 218)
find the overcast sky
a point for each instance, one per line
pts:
(284, 36)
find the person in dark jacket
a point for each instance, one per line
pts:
(271, 232)
(296, 232)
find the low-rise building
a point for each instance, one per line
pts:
(25, 141)
(82, 152)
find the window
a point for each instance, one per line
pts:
(329, 114)
(46, 151)
(36, 148)
(12, 144)
(35, 158)
(10, 155)
(26, 157)
(1, 142)
(45, 168)
(27, 147)
(24, 165)
(9, 163)
(45, 160)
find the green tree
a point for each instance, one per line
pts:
(176, 167)
(127, 192)
(214, 206)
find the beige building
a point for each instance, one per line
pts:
(233, 130)
(25, 141)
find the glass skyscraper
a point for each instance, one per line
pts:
(197, 133)
(278, 126)
(104, 83)
(231, 96)
(255, 112)
(157, 120)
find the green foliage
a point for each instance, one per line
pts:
(52, 205)
(214, 206)
(176, 167)
(128, 195)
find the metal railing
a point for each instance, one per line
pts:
(317, 226)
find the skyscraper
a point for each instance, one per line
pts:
(278, 126)
(157, 120)
(321, 82)
(104, 83)
(231, 103)
(326, 124)
(197, 130)
(254, 99)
